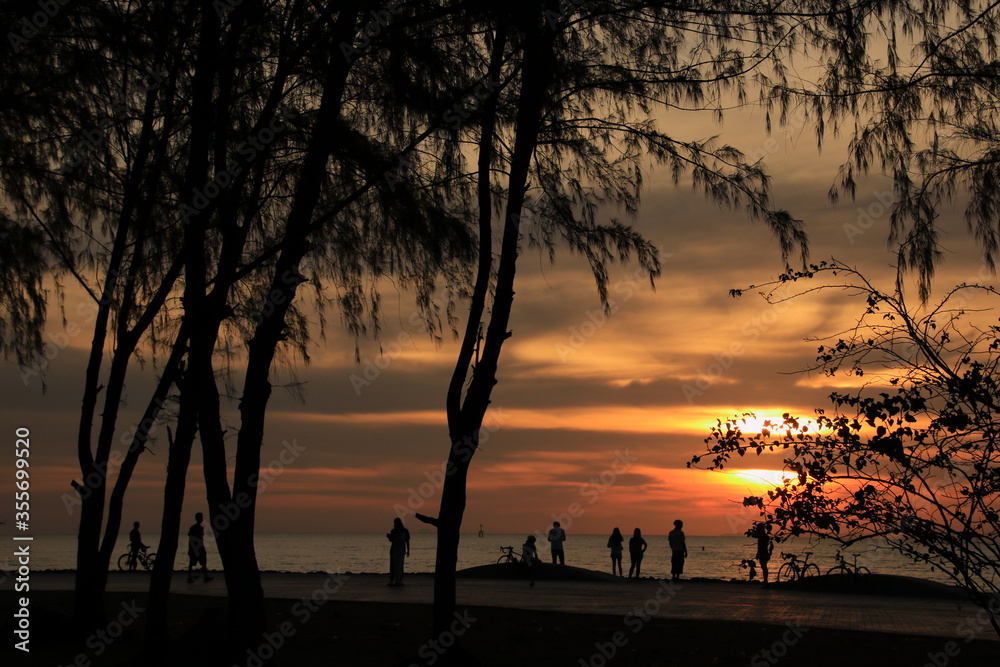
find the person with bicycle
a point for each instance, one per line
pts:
(135, 546)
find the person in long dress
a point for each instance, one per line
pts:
(399, 549)
(678, 550)
(764, 548)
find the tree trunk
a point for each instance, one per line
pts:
(179, 457)
(88, 591)
(449, 526)
(92, 560)
(234, 514)
(89, 613)
(465, 417)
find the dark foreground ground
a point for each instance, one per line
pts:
(372, 633)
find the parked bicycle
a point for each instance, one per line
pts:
(797, 568)
(843, 568)
(141, 558)
(509, 555)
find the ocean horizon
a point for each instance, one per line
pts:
(709, 556)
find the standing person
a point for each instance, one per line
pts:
(678, 550)
(399, 549)
(196, 549)
(615, 544)
(556, 538)
(135, 546)
(764, 548)
(636, 548)
(529, 556)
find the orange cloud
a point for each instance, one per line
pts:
(694, 420)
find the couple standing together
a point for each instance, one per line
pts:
(636, 548)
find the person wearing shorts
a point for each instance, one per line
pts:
(556, 538)
(196, 549)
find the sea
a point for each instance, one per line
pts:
(709, 557)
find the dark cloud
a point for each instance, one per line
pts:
(650, 378)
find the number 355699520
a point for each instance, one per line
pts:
(22, 451)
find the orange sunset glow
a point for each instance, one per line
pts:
(577, 387)
(396, 333)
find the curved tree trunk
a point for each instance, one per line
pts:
(465, 417)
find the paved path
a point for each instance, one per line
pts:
(689, 600)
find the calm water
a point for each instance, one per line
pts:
(712, 557)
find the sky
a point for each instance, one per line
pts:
(594, 417)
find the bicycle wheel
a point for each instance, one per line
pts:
(863, 571)
(839, 569)
(123, 562)
(150, 558)
(810, 570)
(506, 558)
(786, 572)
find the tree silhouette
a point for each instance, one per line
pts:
(150, 185)
(85, 177)
(192, 174)
(564, 131)
(913, 456)
(916, 84)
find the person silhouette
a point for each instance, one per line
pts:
(196, 549)
(135, 546)
(529, 556)
(764, 548)
(399, 549)
(678, 550)
(481, 533)
(556, 538)
(636, 548)
(615, 544)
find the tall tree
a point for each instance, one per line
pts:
(86, 176)
(335, 206)
(564, 131)
(193, 175)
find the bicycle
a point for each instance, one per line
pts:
(141, 558)
(843, 568)
(509, 556)
(796, 569)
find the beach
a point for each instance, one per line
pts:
(584, 619)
